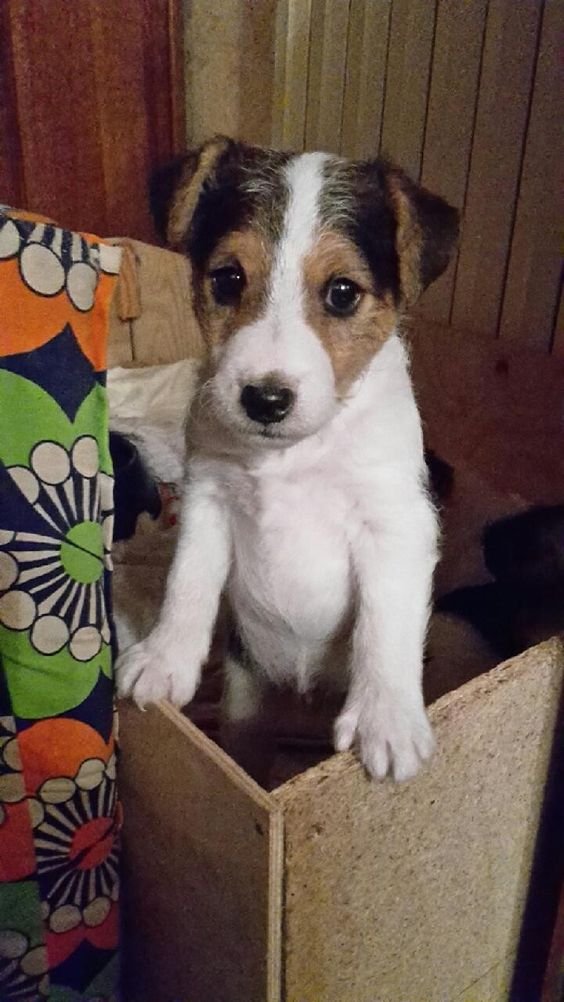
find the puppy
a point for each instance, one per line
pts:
(307, 499)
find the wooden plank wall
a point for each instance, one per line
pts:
(466, 96)
(91, 101)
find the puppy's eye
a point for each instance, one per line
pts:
(227, 284)
(342, 296)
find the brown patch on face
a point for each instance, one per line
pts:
(351, 342)
(253, 253)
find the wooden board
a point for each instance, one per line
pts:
(416, 891)
(202, 867)
(493, 409)
(95, 100)
(291, 55)
(327, 59)
(367, 50)
(535, 261)
(407, 79)
(453, 96)
(506, 79)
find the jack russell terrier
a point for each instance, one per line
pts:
(307, 500)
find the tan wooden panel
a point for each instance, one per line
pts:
(328, 53)
(365, 77)
(416, 891)
(202, 866)
(291, 73)
(533, 277)
(409, 60)
(508, 64)
(453, 98)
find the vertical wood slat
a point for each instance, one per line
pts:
(11, 179)
(365, 76)
(533, 276)
(328, 53)
(118, 86)
(409, 59)
(453, 97)
(507, 70)
(292, 35)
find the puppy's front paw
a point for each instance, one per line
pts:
(147, 674)
(392, 732)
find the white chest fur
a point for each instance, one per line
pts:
(294, 514)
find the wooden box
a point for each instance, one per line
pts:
(332, 888)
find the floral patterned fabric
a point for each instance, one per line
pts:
(58, 811)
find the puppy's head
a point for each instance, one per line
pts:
(302, 265)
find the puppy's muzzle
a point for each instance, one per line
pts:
(267, 403)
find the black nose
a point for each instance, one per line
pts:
(266, 402)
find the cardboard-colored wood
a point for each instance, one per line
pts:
(535, 262)
(506, 78)
(410, 55)
(417, 891)
(166, 329)
(202, 852)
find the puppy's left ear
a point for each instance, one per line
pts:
(426, 236)
(175, 189)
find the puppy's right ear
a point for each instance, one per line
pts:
(174, 190)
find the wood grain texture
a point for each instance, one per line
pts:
(407, 80)
(230, 69)
(507, 72)
(453, 97)
(367, 50)
(11, 180)
(535, 259)
(92, 97)
(293, 21)
(202, 865)
(328, 54)
(416, 891)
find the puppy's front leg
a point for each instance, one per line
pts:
(384, 711)
(168, 663)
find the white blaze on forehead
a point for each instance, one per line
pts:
(304, 177)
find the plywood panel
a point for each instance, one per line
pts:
(293, 19)
(507, 70)
(533, 276)
(448, 855)
(328, 53)
(367, 50)
(202, 862)
(453, 98)
(407, 80)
